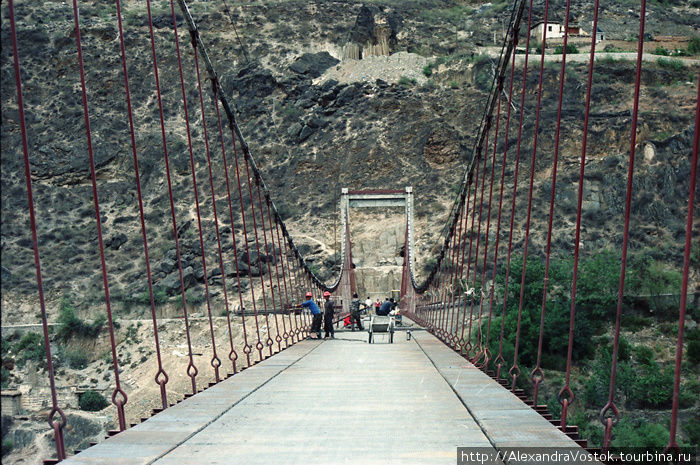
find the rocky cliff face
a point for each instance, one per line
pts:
(311, 134)
(378, 239)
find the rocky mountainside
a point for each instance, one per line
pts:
(300, 108)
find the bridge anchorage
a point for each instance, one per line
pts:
(249, 386)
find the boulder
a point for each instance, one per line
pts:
(294, 130)
(316, 122)
(346, 95)
(253, 257)
(116, 241)
(247, 270)
(166, 265)
(253, 82)
(313, 64)
(166, 20)
(305, 133)
(171, 283)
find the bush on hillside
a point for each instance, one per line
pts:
(70, 324)
(92, 401)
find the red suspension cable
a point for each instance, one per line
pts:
(222, 269)
(610, 406)
(565, 395)
(119, 397)
(278, 250)
(454, 340)
(499, 361)
(537, 374)
(672, 444)
(215, 361)
(478, 237)
(192, 370)
(466, 344)
(259, 345)
(514, 370)
(269, 340)
(56, 425)
(485, 348)
(233, 356)
(161, 377)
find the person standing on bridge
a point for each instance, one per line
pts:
(316, 312)
(329, 309)
(355, 313)
(368, 304)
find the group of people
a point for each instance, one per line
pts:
(381, 308)
(354, 319)
(327, 316)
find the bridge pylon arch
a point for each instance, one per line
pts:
(373, 199)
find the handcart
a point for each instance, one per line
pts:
(381, 324)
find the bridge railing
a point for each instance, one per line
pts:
(260, 249)
(461, 300)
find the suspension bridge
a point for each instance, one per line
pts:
(280, 396)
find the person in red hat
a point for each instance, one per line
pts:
(329, 309)
(316, 312)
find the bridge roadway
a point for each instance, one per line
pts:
(337, 401)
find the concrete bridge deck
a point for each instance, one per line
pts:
(338, 401)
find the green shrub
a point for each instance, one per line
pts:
(661, 51)
(593, 432)
(428, 70)
(70, 324)
(292, 111)
(76, 358)
(634, 322)
(31, 348)
(694, 47)
(92, 401)
(671, 63)
(570, 48)
(597, 386)
(692, 430)
(652, 386)
(429, 264)
(4, 377)
(557, 315)
(132, 334)
(639, 378)
(651, 277)
(7, 446)
(598, 284)
(454, 15)
(160, 296)
(6, 347)
(608, 60)
(68, 321)
(194, 297)
(554, 407)
(643, 355)
(406, 81)
(631, 432)
(693, 348)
